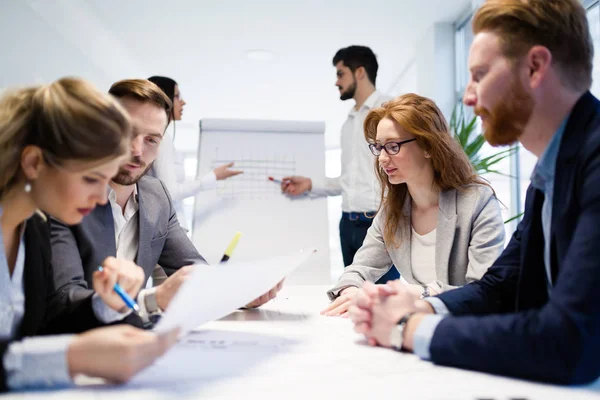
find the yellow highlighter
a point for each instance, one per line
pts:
(231, 247)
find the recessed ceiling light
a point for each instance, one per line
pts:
(259, 55)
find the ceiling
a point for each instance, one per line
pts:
(204, 44)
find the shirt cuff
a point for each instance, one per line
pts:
(209, 181)
(335, 292)
(104, 313)
(38, 362)
(318, 190)
(438, 306)
(320, 187)
(144, 313)
(424, 334)
(141, 300)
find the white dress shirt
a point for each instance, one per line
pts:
(126, 224)
(31, 362)
(358, 183)
(169, 168)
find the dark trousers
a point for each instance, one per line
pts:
(353, 230)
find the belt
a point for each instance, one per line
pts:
(366, 216)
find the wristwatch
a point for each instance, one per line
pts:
(425, 292)
(397, 334)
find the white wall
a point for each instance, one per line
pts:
(406, 82)
(203, 45)
(435, 66)
(429, 70)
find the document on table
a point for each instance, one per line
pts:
(213, 291)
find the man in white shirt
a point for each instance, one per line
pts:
(356, 70)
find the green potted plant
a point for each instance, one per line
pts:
(465, 133)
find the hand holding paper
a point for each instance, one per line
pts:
(212, 292)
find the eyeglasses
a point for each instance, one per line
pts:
(392, 148)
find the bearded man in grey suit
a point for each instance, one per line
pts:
(137, 223)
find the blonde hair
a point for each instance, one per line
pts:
(559, 25)
(68, 119)
(420, 117)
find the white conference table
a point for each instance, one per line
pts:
(286, 350)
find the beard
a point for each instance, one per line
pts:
(507, 121)
(124, 176)
(349, 93)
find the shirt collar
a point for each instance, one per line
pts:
(369, 102)
(546, 166)
(112, 196)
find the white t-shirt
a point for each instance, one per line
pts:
(422, 254)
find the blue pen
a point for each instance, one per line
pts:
(124, 296)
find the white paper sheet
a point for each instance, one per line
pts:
(212, 292)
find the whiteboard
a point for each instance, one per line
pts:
(271, 224)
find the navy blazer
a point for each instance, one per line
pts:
(506, 323)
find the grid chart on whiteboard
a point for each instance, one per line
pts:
(254, 182)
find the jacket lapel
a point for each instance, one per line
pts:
(532, 291)
(446, 227)
(35, 278)
(101, 227)
(404, 254)
(580, 117)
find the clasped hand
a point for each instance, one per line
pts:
(376, 309)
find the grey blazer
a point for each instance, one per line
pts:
(78, 250)
(469, 238)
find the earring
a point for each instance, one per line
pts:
(27, 187)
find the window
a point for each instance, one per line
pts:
(462, 42)
(500, 182)
(593, 14)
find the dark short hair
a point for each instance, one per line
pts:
(167, 85)
(354, 57)
(142, 90)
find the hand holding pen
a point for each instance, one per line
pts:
(117, 279)
(294, 185)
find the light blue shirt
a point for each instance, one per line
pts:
(31, 362)
(542, 179)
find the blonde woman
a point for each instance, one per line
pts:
(60, 144)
